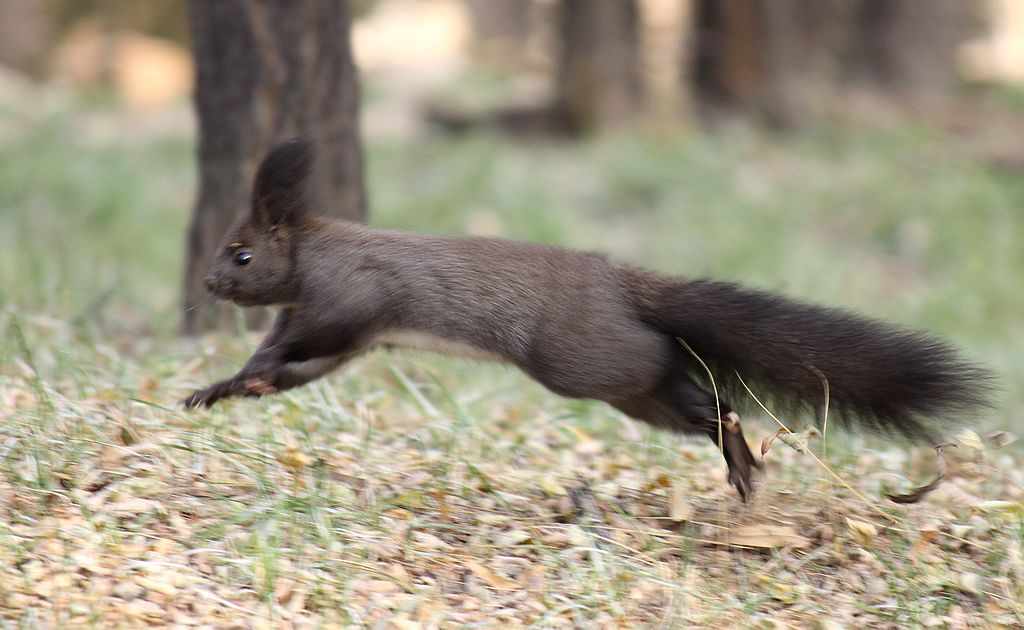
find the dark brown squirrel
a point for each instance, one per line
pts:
(582, 326)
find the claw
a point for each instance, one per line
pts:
(744, 469)
(745, 481)
(204, 397)
(742, 484)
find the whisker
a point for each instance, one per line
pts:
(203, 299)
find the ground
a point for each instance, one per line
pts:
(409, 490)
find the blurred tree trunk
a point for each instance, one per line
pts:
(24, 34)
(501, 29)
(787, 61)
(909, 47)
(266, 71)
(724, 72)
(598, 78)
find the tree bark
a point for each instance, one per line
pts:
(788, 61)
(598, 78)
(501, 29)
(909, 47)
(24, 34)
(724, 70)
(267, 71)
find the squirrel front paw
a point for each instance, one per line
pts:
(252, 387)
(206, 397)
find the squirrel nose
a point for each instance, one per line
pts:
(209, 282)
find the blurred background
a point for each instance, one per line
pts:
(860, 153)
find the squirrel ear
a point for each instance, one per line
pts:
(280, 192)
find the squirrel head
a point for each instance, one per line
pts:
(255, 264)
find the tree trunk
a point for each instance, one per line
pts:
(724, 69)
(598, 78)
(788, 61)
(267, 71)
(25, 32)
(909, 47)
(501, 29)
(774, 59)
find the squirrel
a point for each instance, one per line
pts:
(664, 350)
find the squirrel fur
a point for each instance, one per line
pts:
(581, 325)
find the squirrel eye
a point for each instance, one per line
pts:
(243, 258)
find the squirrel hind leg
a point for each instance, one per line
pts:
(744, 469)
(702, 412)
(681, 405)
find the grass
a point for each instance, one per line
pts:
(412, 489)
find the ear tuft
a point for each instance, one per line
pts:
(280, 192)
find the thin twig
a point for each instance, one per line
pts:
(824, 426)
(821, 463)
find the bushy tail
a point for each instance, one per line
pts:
(880, 376)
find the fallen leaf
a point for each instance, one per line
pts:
(133, 506)
(427, 613)
(929, 533)
(999, 439)
(551, 486)
(766, 536)
(578, 433)
(864, 532)
(144, 609)
(960, 530)
(766, 443)
(90, 561)
(157, 586)
(442, 504)
(128, 435)
(490, 577)
(283, 590)
(513, 538)
(577, 536)
(920, 493)
(533, 578)
(970, 583)
(779, 591)
(495, 520)
(1005, 509)
(798, 441)
(971, 440)
(294, 459)
(589, 447)
(680, 508)
(661, 481)
(400, 575)
(430, 541)
(376, 587)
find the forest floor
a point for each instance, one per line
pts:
(410, 490)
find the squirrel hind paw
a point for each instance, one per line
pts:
(745, 479)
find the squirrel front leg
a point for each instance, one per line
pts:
(282, 362)
(256, 376)
(260, 378)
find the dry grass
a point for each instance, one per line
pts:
(414, 491)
